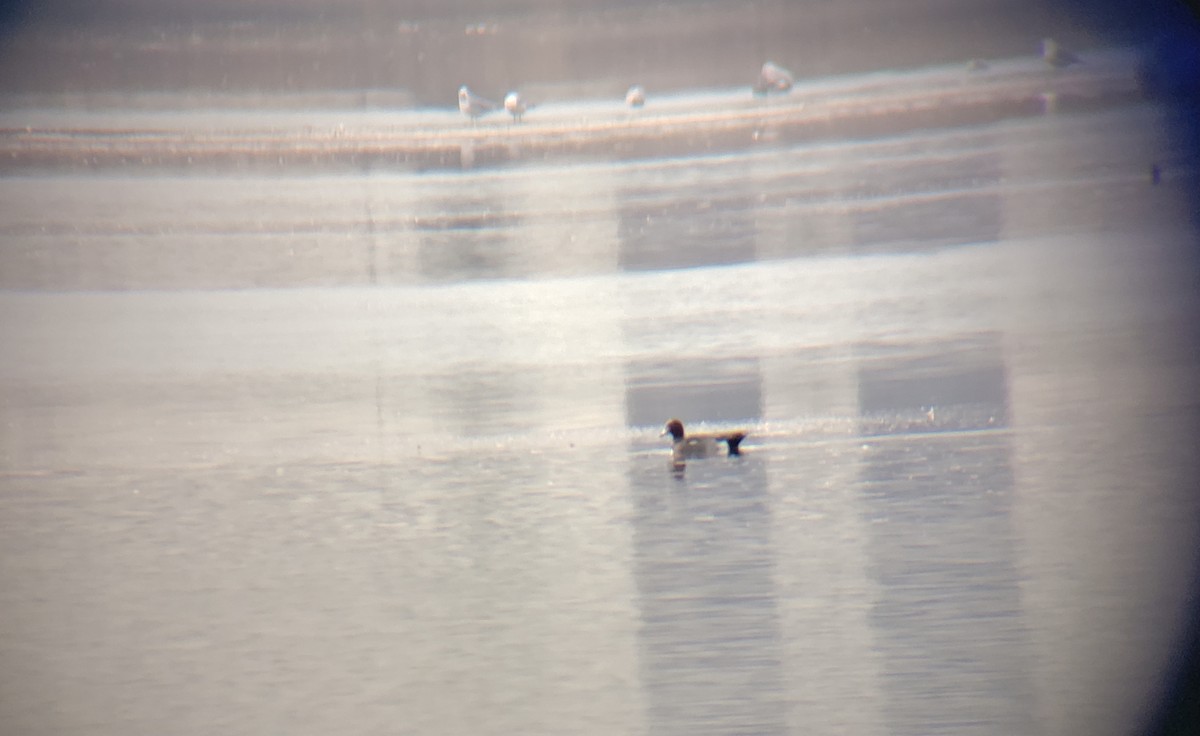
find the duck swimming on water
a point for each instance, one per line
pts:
(695, 446)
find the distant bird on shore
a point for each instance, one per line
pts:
(636, 96)
(1056, 56)
(515, 106)
(472, 105)
(773, 79)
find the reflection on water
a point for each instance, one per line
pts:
(947, 565)
(692, 390)
(471, 245)
(684, 224)
(434, 494)
(954, 384)
(969, 208)
(704, 567)
(949, 611)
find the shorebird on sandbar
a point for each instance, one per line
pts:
(773, 79)
(1056, 56)
(472, 105)
(515, 105)
(636, 96)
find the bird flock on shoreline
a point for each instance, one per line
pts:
(773, 79)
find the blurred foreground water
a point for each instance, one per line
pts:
(346, 445)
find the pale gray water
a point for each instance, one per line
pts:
(377, 452)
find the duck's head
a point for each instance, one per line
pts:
(675, 429)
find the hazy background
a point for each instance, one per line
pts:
(567, 48)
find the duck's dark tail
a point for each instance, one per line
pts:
(733, 440)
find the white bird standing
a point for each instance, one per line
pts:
(1056, 56)
(472, 105)
(773, 78)
(515, 106)
(636, 96)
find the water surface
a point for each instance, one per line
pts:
(376, 452)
